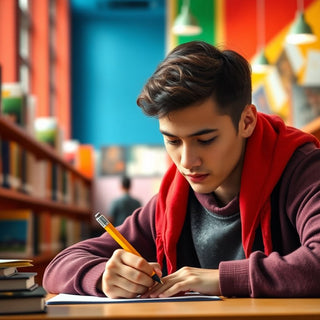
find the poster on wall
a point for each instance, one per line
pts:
(305, 89)
(146, 160)
(260, 100)
(291, 89)
(134, 161)
(305, 104)
(113, 160)
(312, 71)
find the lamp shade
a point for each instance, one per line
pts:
(300, 31)
(186, 24)
(260, 64)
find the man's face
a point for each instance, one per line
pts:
(206, 148)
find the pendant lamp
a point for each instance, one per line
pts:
(300, 31)
(185, 23)
(260, 62)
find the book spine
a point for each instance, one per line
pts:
(1, 168)
(16, 237)
(6, 172)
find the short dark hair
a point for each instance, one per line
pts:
(193, 72)
(126, 182)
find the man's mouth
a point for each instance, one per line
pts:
(196, 178)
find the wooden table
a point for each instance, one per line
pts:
(250, 309)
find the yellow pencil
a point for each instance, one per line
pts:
(120, 239)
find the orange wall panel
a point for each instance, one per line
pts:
(8, 40)
(63, 88)
(40, 56)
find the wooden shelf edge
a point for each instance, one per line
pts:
(11, 131)
(18, 199)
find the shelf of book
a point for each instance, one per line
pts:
(11, 131)
(41, 194)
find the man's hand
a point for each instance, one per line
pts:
(205, 281)
(127, 275)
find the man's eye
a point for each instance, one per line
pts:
(207, 141)
(173, 142)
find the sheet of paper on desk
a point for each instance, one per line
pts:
(63, 298)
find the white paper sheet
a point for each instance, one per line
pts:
(63, 298)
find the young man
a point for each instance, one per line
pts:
(123, 206)
(237, 214)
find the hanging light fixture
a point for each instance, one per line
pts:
(300, 31)
(260, 63)
(185, 23)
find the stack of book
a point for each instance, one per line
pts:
(19, 293)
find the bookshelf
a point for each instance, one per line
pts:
(77, 209)
(11, 131)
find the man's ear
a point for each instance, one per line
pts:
(248, 121)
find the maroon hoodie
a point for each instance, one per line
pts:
(290, 270)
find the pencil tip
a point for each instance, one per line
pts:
(155, 277)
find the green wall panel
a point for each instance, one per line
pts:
(204, 12)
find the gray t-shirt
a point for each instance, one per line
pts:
(215, 232)
(216, 237)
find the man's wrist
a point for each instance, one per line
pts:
(234, 278)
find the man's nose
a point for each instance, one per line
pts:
(189, 158)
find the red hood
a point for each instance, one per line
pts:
(267, 153)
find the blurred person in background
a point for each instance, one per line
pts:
(123, 207)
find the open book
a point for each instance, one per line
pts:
(8, 263)
(63, 298)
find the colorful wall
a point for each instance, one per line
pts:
(233, 24)
(291, 87)
(113, 57)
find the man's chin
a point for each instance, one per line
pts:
(201, 188)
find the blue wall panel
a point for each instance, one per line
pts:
(112, 57)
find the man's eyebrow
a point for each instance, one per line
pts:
(197, 133)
